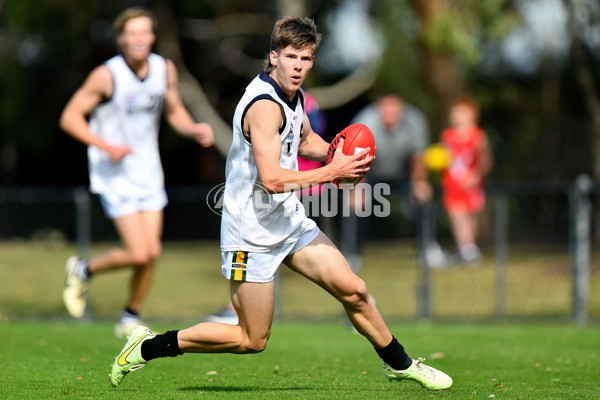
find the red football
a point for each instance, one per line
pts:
(357, 137)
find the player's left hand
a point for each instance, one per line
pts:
(420, 191)
(203, 134)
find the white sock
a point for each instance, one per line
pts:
(470, 251)
(81, 269)
(126, 316)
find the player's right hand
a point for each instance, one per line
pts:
(117, 153)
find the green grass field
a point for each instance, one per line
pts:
(535, 353)
(65, 359)
(188, 275)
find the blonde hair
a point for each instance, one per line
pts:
(295, 31)
(130, 13)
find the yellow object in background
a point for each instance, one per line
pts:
(437, 157)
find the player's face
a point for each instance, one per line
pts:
(461, 115)
(390, 109)
(137, 38)
(291, 68)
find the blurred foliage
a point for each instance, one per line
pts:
(460, 27)
(402, 67)
(537, 121)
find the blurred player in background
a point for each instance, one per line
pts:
(462, 181)
(124, 99)
(401, 133)
(270, 130)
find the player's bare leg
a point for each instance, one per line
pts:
(322, 263)
(464, 228)
(140, 233)
(254, 303)
(148, 248)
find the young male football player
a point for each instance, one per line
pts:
(264, 224)
(124, 98)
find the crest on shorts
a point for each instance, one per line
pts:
(238, 266)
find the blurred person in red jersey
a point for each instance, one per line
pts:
(462, 181)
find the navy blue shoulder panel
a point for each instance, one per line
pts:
(301, 96)
(254, 100)
(291, 104)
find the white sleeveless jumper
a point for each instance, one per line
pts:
(130, 117)
(253, 220)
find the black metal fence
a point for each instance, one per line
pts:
(520, 216)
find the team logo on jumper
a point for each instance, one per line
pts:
(143, 102)
(289, 139)
(238, 266)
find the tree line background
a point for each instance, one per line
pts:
(532, 64)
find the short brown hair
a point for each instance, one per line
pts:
(295, 31)
(130, 13)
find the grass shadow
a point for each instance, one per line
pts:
(234, 389)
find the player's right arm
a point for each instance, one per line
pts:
(420, 188)
(97, 87)
(261, 123)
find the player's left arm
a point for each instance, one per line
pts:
(178, 116)
(486, 158)
(312, 146)
(262, 123)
